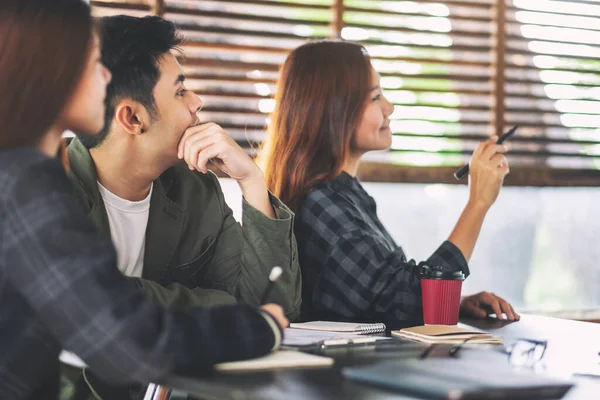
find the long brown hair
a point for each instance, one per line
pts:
(322, 91)
(44, 46)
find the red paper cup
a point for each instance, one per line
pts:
(441, 301)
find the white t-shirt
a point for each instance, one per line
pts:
(128, 221)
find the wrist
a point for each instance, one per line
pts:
(477, 205)
(274, 325)
(254, 180)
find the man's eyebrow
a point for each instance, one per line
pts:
(180, 79)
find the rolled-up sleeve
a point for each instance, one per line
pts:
(450, 258)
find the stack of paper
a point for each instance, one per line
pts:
(446, 334)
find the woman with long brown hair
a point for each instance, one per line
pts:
(330, 110)
(59, 284)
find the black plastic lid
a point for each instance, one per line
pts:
(436, 272)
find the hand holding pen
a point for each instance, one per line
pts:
(464, 170)
(488, 168)
(273, 277)
(275, 310)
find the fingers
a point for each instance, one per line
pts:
(506, 308)
(513, 313)
(500, 163)
(494, 304)
(500, 306)
(196, 144)
(200, 130)
(499, 160)
(483, 145)
(209, 142)
(199, 144)
(484, 303)
(214, 151)
(276, 312)
(504, 170)
(492, 150)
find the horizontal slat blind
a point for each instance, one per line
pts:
(553, 81)
(234, 51)
(456, 70)
(435, 60)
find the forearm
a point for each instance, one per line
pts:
(267, 243)
(466, 231)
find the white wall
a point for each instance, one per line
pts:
(538, 248)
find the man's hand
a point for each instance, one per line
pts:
(277, 312)
(209, 142)
(482, 304)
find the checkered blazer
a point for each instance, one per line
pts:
(351, 267)
(60, 289)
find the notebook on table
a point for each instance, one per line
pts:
(299, 338)
(446, 334)
(458, 379)
(276, 360)
(349, 327)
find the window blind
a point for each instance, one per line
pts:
(457, 71)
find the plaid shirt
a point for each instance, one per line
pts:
(60, 288)
(351, 267)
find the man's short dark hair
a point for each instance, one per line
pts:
(131, 50)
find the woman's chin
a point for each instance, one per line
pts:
(386, 136)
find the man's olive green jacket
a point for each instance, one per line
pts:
(196, 253)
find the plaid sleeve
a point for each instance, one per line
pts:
(67, 273)
(359, 274)
(449, 257)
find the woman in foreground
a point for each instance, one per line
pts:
(59, 284)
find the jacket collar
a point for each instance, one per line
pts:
(165, 221)
(84, 177)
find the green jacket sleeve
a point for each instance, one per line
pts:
(176, 295)
(245, 254)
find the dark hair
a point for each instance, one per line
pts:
(132, 49)
(44, 48)
(322, 91)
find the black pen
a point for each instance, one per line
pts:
(464, 170)
(273, 276)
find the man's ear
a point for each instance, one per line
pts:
(132, 117)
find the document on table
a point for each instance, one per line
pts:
(304, 337)
(276, 360)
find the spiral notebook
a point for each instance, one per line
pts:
(349, 327)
